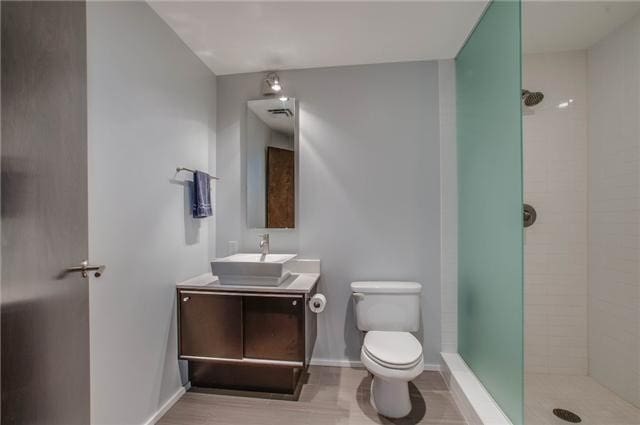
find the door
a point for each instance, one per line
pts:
(210, 325)
(280, 188)
(490, 257)
(45, 312)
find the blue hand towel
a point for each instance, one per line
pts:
(201, 195)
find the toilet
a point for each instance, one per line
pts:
(388, 312)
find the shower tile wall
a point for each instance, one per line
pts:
(555, 157)
(614, 206)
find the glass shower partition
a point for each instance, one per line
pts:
(490, 256)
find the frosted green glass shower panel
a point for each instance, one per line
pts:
(490, 258)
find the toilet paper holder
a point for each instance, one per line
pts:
(317, 303)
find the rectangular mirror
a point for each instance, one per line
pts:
(271, 140)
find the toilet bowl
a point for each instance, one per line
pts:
(388, 312)
(394, 359)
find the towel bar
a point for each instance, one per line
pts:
(178, 169)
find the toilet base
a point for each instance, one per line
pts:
(390, 398)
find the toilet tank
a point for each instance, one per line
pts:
(387, 305)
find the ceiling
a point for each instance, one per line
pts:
(571, 25)
(242, 36)
(237, 37)
(278, 122)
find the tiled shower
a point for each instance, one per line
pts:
(614, 212)
(582, 278)
(555, 184)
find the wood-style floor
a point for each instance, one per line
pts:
(330, 396)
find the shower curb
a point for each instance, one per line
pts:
(471, 397)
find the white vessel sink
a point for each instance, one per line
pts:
(252, 269)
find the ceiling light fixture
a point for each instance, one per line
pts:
(283, 98)
(271, 85)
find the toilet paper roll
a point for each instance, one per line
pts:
(317, 303)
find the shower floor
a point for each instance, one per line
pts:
(582, 395)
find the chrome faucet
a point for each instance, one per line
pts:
(264, 244)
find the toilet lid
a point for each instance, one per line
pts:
(395, 349)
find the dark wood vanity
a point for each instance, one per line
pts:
(247, 338)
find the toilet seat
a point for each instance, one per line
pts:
(393, 350)
(386, 373)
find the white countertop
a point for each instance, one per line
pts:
(297, 283)
(304, 276)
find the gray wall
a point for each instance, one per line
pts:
(258, 136)
(449, 205)
(368, 185)
(151, 108)
(281, 140)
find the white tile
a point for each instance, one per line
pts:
(555, 150)
(614, 192)
(581, 394)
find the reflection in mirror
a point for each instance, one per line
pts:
(271, 126)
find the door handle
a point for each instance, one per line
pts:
(84, 268)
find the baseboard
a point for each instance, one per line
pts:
(358, 364)
(168, 404)
(336, 363)
(432, 367)
(474, 401)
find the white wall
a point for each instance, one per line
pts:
(258, 137)
(282, 140)
(614, 205)
(449, 201)
(555, 183)
(151, 109)
(369, 185)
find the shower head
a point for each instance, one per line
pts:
(531, 98)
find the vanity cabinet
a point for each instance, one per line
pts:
(246, 340)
